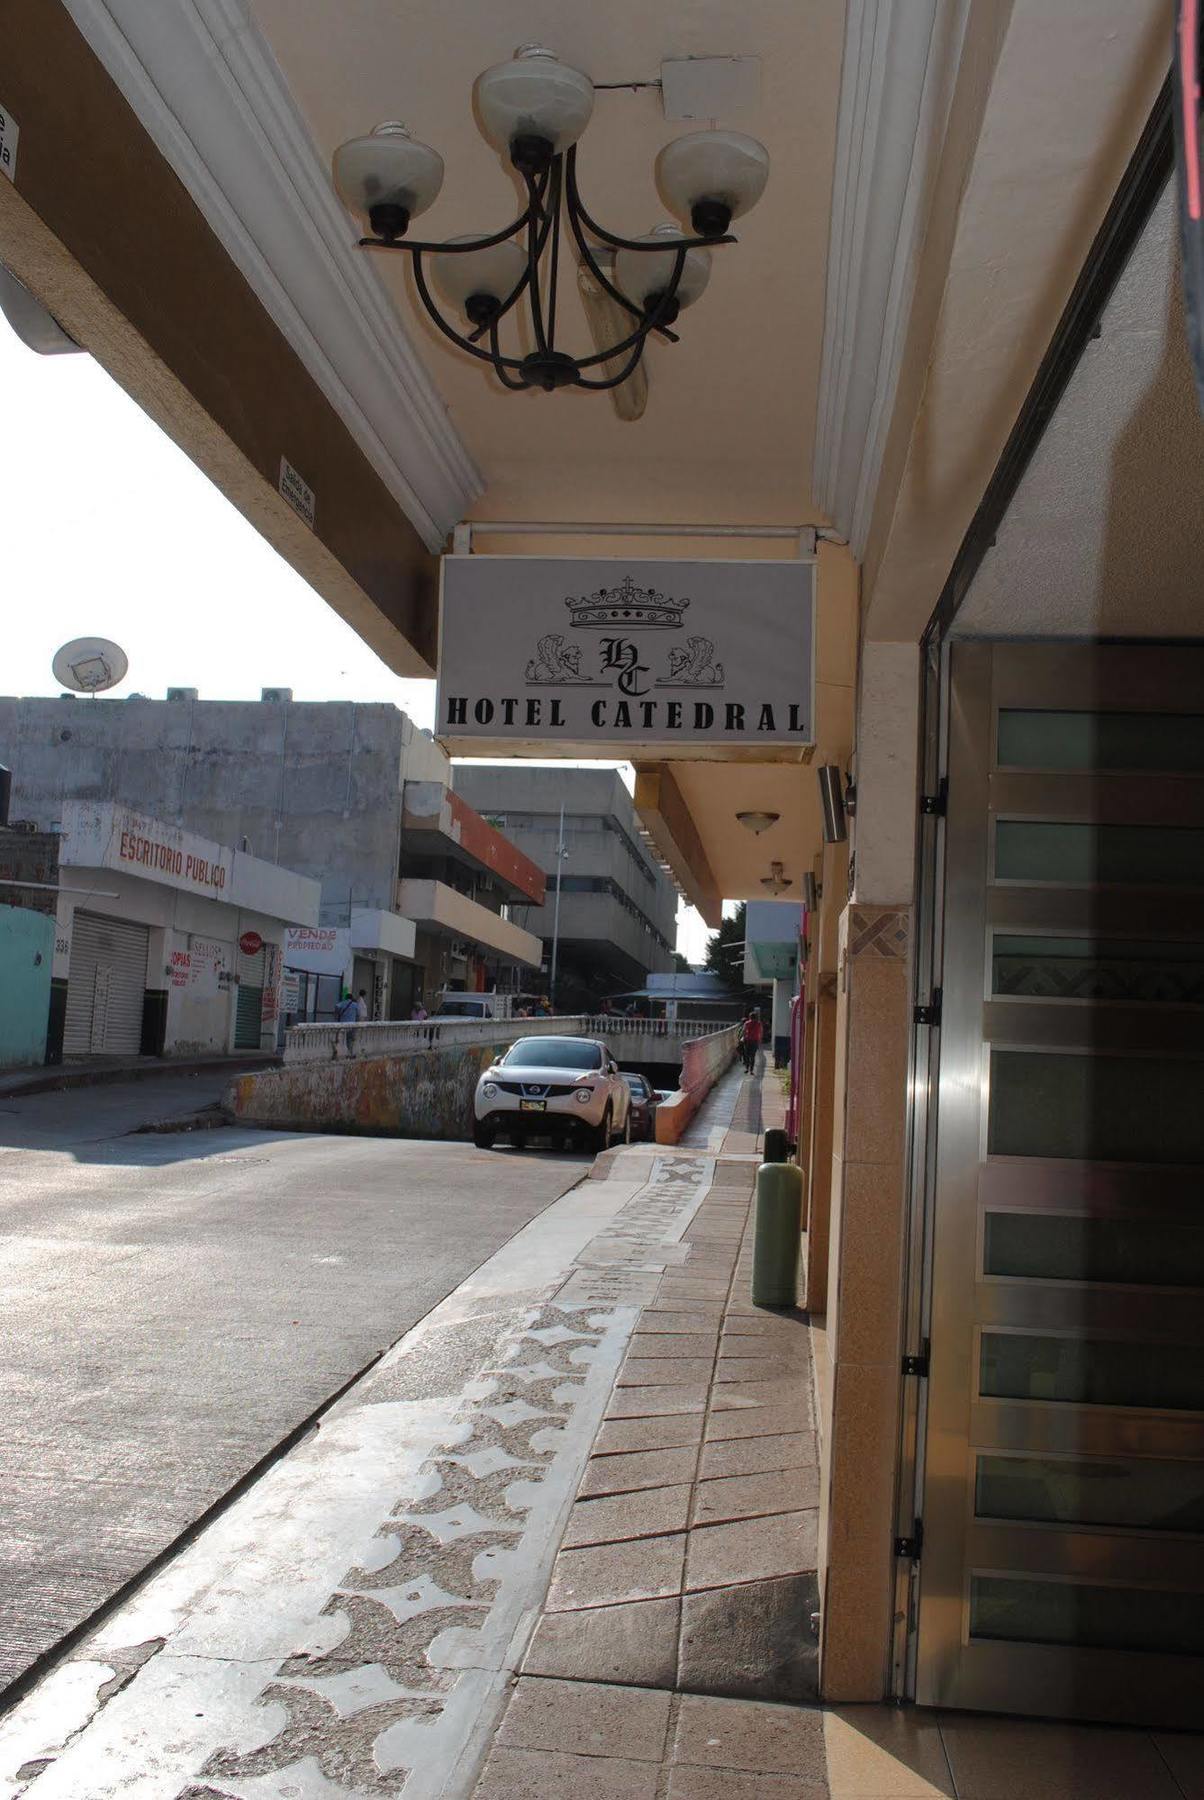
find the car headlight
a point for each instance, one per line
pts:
(585, 1095)
(489, 1090)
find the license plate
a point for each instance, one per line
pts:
(532, 1106)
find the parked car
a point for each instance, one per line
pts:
(567, 1088)
(644, 1102)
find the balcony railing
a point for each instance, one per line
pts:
(392, 1037)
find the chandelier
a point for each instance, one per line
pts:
(533, 109)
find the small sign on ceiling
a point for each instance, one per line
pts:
(297, 492)
(9, 134)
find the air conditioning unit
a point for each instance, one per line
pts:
(183, 694)
(278, 696)
(26, 827)
(459, 948)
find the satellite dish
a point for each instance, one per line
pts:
(90, 665)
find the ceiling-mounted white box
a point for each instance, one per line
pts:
(711, 87)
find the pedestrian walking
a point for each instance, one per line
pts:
(347, 1011)
(752, 1033)
(419, 1013)
(361, 1005)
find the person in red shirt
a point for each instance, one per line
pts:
(751, 1034)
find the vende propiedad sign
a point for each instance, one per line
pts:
(609, 657)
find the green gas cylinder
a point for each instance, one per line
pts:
(779, 1219)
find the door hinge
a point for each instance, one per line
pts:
(911, 1547)
(934, 806)
(930, 1014)
(917, 1365)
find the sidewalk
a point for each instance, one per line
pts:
(96, 1071)
(559, 1544)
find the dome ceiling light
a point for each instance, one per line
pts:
(534, 109)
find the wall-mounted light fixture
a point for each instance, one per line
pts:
(776, 882)
(831, 796)
(811, 892)
(757, 822)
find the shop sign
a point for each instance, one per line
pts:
(611, 657)
(250, 943)
(105, 836)
(318, 949)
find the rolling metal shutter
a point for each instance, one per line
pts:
(248, 1015)
(106, 981)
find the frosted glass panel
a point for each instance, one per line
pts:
(1054, 1247)
(1097, 1108)
(1086, 855)
(1021, 1610)
(1082, 968)
(1100, 740)
(1062, 1490)
(1078, 1371)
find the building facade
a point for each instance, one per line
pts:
(164, 943)
(415, 888)
(618, 905)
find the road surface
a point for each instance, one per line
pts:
(175, 1305)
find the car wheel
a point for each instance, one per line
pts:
(482, 1135)
(599, 1138)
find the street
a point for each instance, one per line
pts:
(177, 1304)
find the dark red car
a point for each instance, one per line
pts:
(644, 1102)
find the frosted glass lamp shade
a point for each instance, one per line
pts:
(478, 275)
(642, 274)
(708, 178)
(533, 99)
(387, 178)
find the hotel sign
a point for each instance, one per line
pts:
(611, 657)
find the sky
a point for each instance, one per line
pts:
(108, 530)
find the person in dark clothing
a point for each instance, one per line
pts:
(751, 1034)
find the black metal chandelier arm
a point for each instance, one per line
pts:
(554, 262)
(625, 374)
(590, 261)
(449, 331)
(649, 321)
(499, 361)
(516, 293)
(535, 245)
(576, 204)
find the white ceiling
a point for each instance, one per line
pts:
(1105, 537)
(727, 436)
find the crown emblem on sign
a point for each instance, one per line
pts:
(626, 607)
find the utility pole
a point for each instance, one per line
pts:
(561, 854)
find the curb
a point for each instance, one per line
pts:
(154, 1069)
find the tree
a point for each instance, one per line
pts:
(680, 964)
(725, 950)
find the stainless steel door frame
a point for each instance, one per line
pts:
(951, 1668)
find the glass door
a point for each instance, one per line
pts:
(1062, 1568)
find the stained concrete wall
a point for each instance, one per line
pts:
(420, 1093)
(703, 1061)
(313, 787)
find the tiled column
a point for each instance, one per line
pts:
(869, 1189)
(865, 1276)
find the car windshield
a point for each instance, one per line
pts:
(636, 1083)
(554, 1053)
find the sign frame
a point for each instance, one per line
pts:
(654, 588)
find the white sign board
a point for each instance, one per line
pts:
(104, 836)
(612, 656)
(8, 143)
(318, 949)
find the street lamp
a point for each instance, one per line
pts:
(561, 854)
(533, 109)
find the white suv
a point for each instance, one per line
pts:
(560, 1087)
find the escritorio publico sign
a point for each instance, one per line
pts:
(609, 656)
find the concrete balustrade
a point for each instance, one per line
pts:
(632, 1039)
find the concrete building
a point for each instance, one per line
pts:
(165, 943)
(618, 906)
(415, 886)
